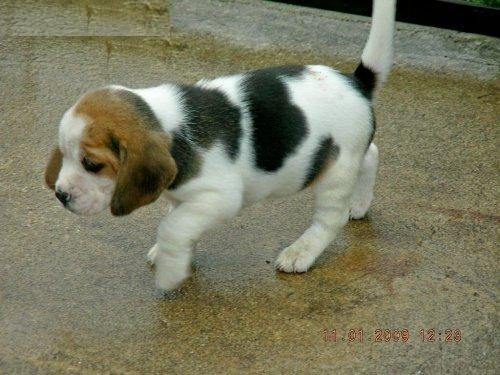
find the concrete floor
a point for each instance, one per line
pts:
(76, 294)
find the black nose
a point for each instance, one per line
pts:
(63, 197)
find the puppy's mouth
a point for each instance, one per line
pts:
(90, 209)
(71, 207)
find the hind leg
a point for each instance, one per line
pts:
(363, 189)
(332, 199)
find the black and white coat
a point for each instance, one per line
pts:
(271, 132)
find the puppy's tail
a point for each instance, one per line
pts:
(376, 59)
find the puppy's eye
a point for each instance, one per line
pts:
(90, 166)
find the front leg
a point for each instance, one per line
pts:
(182, 228)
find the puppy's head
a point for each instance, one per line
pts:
(112, 152)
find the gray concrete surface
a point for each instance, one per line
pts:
(89, 17)
(265, 24)
(76, 294)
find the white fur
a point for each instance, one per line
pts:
(332, 107)
(89, 193)
(363, 190)
(164, 100)
(378, 52)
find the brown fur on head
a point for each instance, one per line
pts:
(53, 167)
(124, 146)
(146, 169)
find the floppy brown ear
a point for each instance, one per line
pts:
(146, 169)
(53, 168)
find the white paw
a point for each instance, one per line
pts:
(359, 208)
(295, 258)
(170, 272)
(152, 253)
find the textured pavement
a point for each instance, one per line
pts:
(77, 296)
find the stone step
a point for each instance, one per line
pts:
(84, 18)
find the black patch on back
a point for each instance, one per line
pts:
(326, 149)
(142, 109)
(186, 158)
(211, 117)
(278, 125)
(364, 80)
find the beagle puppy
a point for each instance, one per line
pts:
(220, 144)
